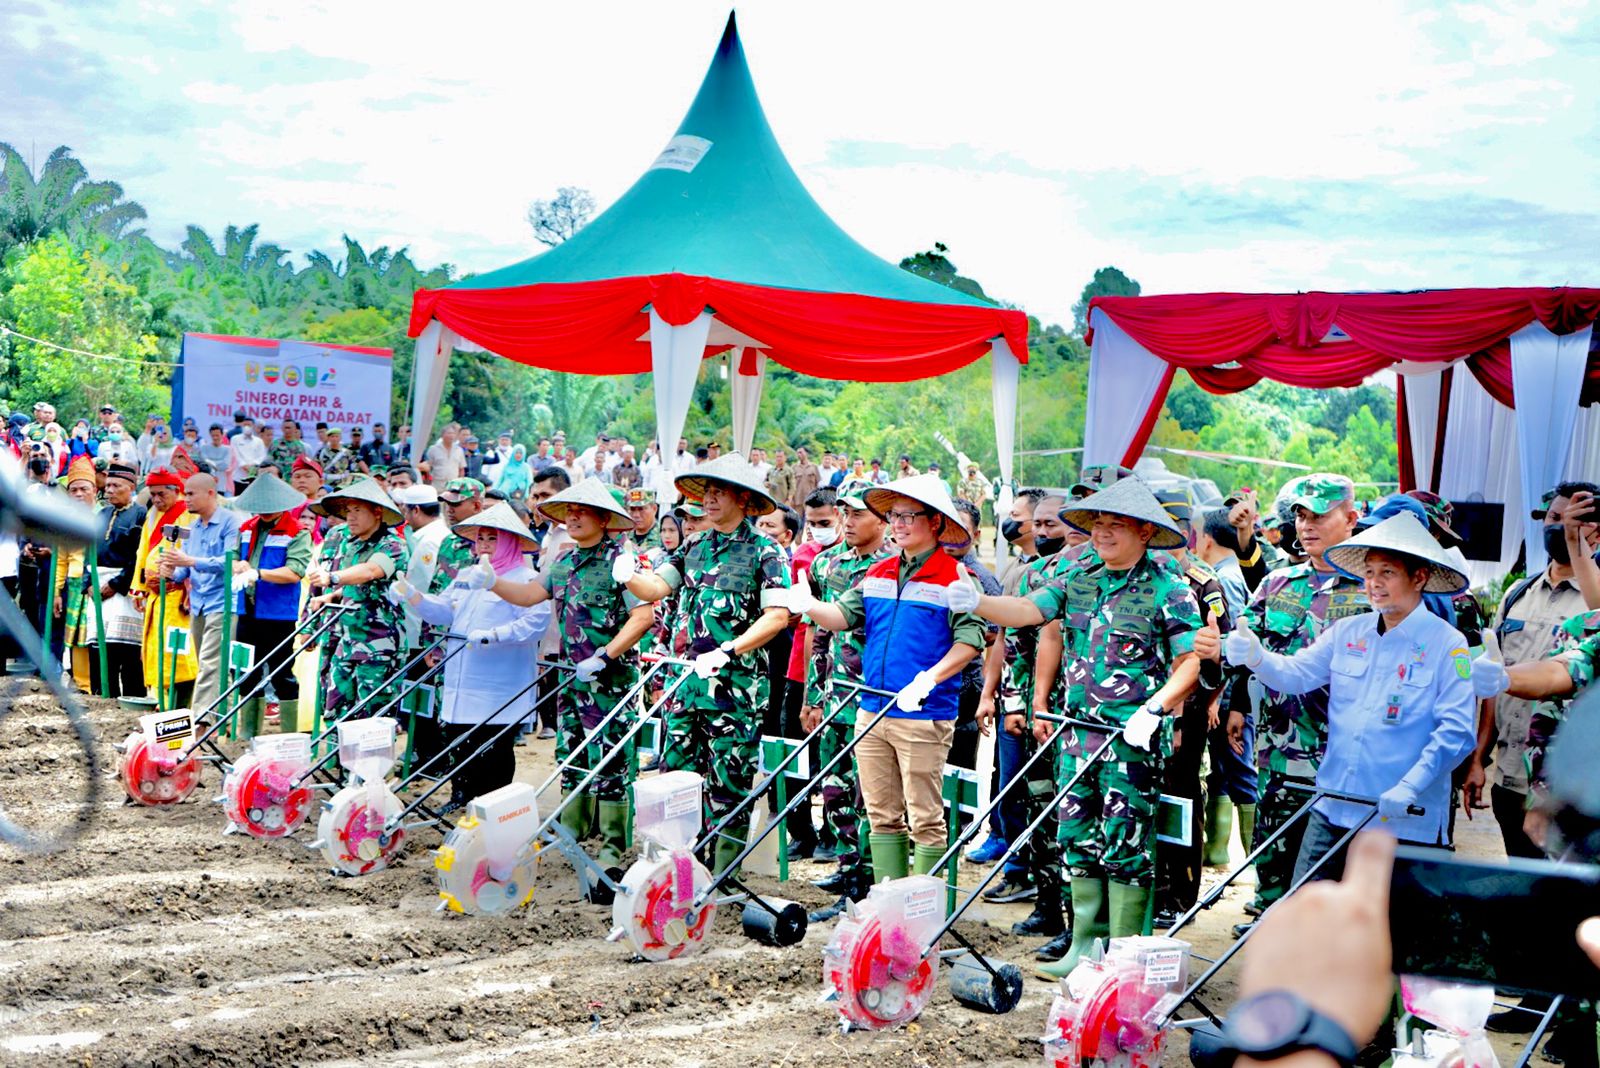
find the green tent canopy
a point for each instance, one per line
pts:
(717, 246)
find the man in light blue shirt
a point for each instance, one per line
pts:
(1401, 709)
(200, 563)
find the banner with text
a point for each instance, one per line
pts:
(341, 385)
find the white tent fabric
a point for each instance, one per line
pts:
(1547, 378)
(1005, 375)
(431, 363)
(1480, 464)
(1422, 418)
(675, 354)
(1124, 380)
(744, 395)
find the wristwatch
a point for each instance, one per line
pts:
(1275, 1023)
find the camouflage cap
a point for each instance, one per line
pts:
(639, 497)
(853, 494)
(1440, 512)
(1322, 493)
(1545, 501)
(462, 489)
(689, 509)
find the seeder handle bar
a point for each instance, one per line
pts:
(417, 803)
(405, 691)
(621, 706)
(222, 721)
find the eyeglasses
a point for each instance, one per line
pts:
(905, 517)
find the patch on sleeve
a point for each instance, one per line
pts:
(1463, 663)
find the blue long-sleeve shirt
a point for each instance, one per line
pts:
(1400, 708)
(208, 543)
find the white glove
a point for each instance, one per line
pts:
(623, 567)
(479, 576)
(911, 696)
(399, 591)
(483, 635)
(590, 667)
(1142, 725)
(962, 594)
(247, 577)
(708, 664)
(1394, 801)
(801, 599)
(1242, 647)
(1489, 676)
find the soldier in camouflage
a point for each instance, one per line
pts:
(600, 623)
(1128, 624)
(1288, 611)
(732, 584)
(642, 506)
(834, 665)
(366, 651)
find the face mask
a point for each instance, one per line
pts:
(1049, 546)
(113, 437)
(38, 466)
(824, 536)
(1011, 530)
(1555, 545)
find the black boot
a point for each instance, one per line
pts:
(855, 888)
(1056, 948)
(836, 883)
(1045, 919)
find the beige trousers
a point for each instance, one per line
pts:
(901, 765)
(205, 639)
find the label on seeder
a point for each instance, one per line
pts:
(366, 746)
(167, 732)
(682, 803)
(290, 749)
(509, 816)
(919, 904)
(1164, 966)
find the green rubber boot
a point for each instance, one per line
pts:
(1088, 924)
(289, 717)
(1130, 910)
(923, 858)
(1247, 826)
(727, 849)
(248, 717)
(890, 855)
(578, 817)
(613, 833)
(1219, 829)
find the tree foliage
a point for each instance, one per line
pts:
(555, 220)
(1107, 282)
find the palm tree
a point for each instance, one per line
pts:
(60, 199)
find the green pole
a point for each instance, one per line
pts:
(952, 795)
(227, 638)
(783, 825)
(161, 646)
(92, 568)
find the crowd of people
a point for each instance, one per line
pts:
(1246, 659)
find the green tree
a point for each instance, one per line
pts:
(60, 199)
(1107, 282)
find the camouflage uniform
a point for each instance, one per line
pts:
(835, 663)
(590, 609)
(328, 554)
(1289, 610)
(724, 582)
(1122, 632)
(1578, 645)
(339, 469)
(368, 638)
(284, 453)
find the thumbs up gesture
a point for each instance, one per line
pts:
(1208, 639)
(963, 592)
(1242, 647)
(801, 599)
(1489, 676)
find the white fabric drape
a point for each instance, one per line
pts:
(675, 354)
(1124, 380)
(1480, 464)
(1005, 373)
(1583, 459)
(430, 365)
(1423, 395)
(1546, 379)
(744, 397)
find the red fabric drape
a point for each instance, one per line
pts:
(596, 327)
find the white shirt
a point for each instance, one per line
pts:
(762, 469)
(249, 451)
(121, 452)
(481, 678)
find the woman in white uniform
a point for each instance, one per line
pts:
(502, 643)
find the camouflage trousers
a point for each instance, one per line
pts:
(351, 682)
(1275, 867)
(714, 728)
(841, 793)
(1108, 820)
(579, 713)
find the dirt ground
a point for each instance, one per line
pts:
(157, 941)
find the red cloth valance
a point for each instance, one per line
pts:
(596, 327)
(1280, 335)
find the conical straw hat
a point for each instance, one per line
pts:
(1131, 499)
(590, 493)
(500, 516)
(926, 490)
(269, 495)
(730, 470)
(1400, 534)
(364, 489)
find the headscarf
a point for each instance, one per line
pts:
(507, 552)
(516, 476)
(182, 462)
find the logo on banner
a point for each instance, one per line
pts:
(270, 373)
(252, 371)
(291, 376)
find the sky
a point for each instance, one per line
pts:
(1236, 146)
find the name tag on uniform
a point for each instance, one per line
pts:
(1391, 715)
(1358, 650)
